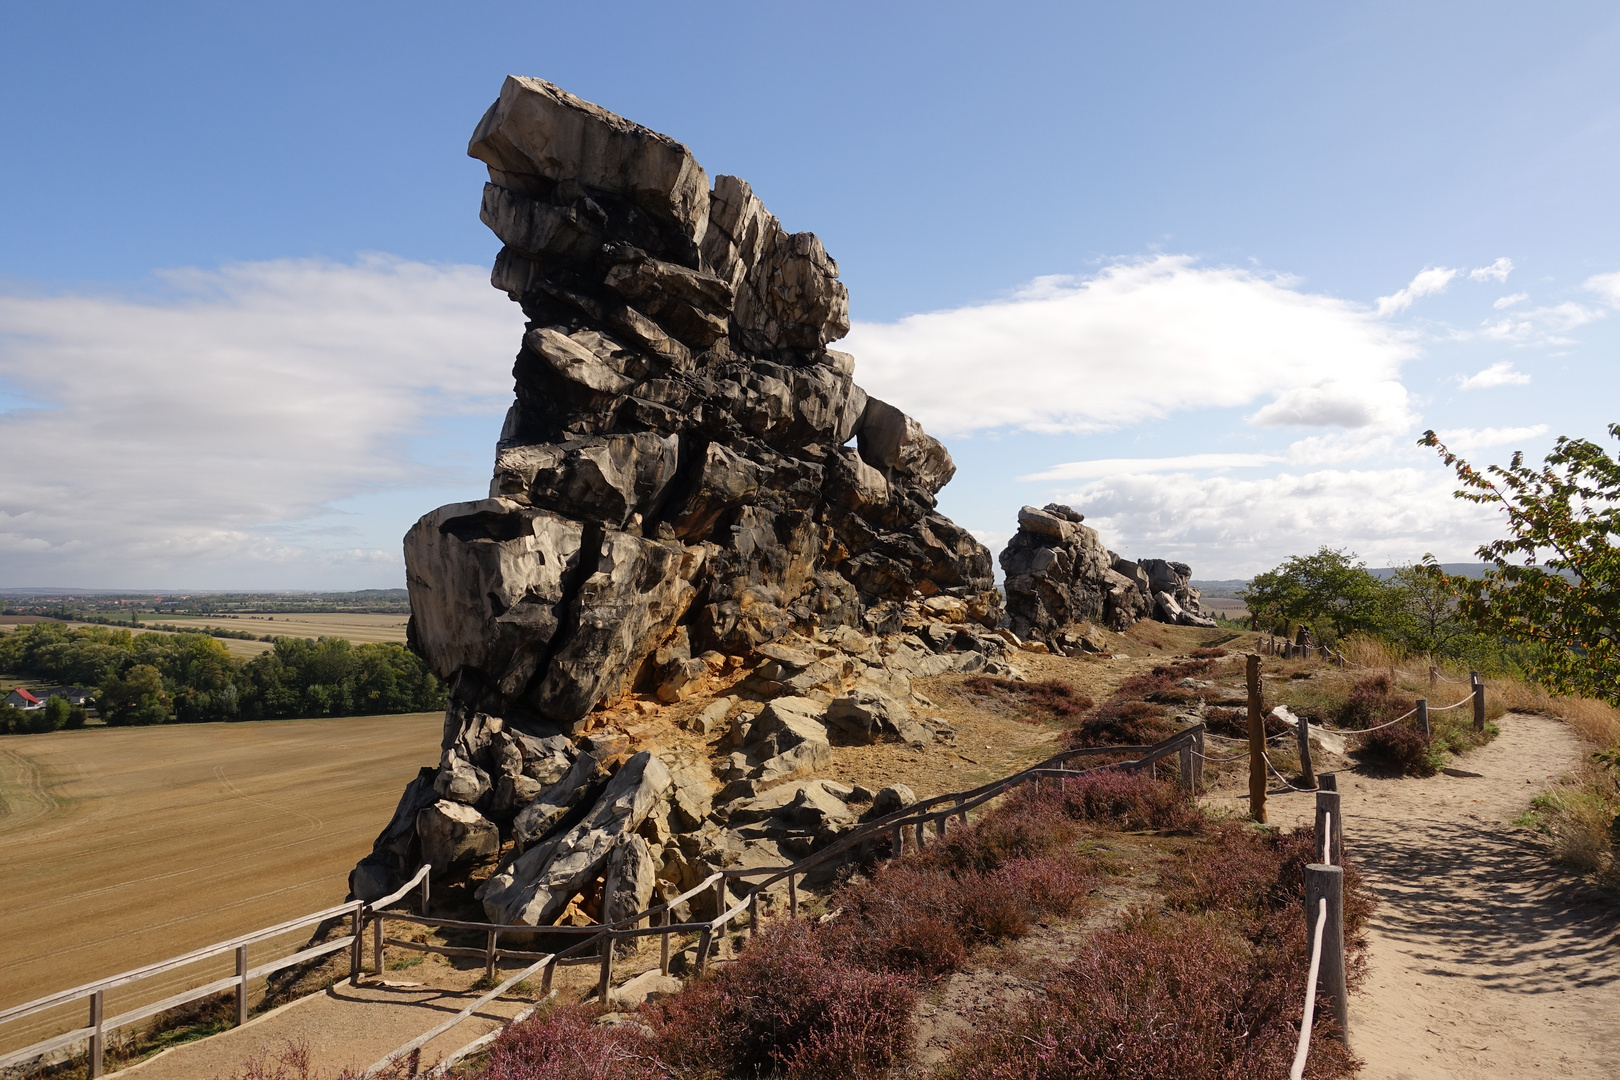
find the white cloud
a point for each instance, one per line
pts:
(1228, 527)
(1428, 282)
(1138, 342)
(1469, 439)
(1498, 271)
(1509, 301)
(1543, 325)
(1605, 285)
(199, 436)
(1500, 373)
(1087, 470)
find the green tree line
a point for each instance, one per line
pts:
(188, 678)
(1418, 609)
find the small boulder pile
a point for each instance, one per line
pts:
(1060, 574)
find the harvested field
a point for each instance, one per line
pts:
(359, 628)
(128, 845)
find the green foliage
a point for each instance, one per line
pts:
(1555, 578)
(1331, 592)
(55, 713)
(149, 678)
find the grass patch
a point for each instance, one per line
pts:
(1035, 702)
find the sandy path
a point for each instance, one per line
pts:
(1487, 963)
(347, 1026)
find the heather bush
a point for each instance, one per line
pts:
(565, 1045)
(1122, 723)
(1054, 698)
(1402, 747)
(1125, 800)
(1372, 701)
(1050, 884)
(1160, 996)
(1258, 878)
(785, 1007)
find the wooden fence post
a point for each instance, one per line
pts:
(753, 914)
(1479, 700)
(1257, 744)
(490, 943)
(1186, 756)
(606, 975)
(663, 945)
(96, 1008)
(703, 946)
(1327, 882)
(427, 894)
(899, 842)
(1434, 678)
(241, 985)
(1307, 773)
(1198, 760)
(1423, 716)
(793, 898)
(356, 926)
(1327, 810)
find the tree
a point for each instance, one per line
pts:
(136, 697)
(1331, 592)
(54, 716)
(1554, 582)
(1424, 613)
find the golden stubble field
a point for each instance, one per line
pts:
(120, 847)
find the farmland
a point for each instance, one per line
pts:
(124, 846)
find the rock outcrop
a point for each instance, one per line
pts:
(1059, 573)
(688, 482)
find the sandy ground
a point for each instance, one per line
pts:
(125, 846)
(1487, 962)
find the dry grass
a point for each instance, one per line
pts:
(125, 846)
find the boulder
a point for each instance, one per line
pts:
(539, 883)
(454, 835)
(865, 716)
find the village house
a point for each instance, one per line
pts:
(22, 699)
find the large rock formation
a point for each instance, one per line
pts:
(1059, 573)
(688, 473)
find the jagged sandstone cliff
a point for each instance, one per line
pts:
(688, 473)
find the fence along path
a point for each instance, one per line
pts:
(939, 811)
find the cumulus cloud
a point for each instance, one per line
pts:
(1605, 285)
(1498, 271)
(1228, 527)
(1468, 439)
(1086, 470)
(1137, 342)
(1500, 373)
(1427, 283)
(1509, 301)
(219, 427)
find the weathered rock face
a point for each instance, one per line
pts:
(1059, 573)
(676, 458)
(688, 474)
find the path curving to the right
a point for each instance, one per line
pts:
(1486, 962)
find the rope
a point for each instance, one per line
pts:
(1298, 1071)
(1283, 781)
(1380, 727)
(1445, 708)
(1327, 838)
(1234, 757)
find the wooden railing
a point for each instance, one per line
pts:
(597, 946)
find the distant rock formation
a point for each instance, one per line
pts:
(674, 488)
(1059, 574)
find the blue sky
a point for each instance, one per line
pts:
(1205, 270)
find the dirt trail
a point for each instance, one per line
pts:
(1487, 963)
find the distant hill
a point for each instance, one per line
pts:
(1227, 588)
